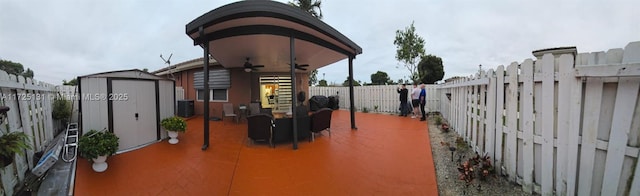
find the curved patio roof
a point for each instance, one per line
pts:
(261, 30)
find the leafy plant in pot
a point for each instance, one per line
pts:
(173, 125)
(11, 144)
(96, 146)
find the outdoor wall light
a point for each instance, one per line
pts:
(3, 113)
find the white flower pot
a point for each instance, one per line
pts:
(100, 164)
(174, 137)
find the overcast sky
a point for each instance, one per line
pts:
(68, 38)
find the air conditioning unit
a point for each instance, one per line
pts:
(185, 108)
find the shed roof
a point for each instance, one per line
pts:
(131, 73)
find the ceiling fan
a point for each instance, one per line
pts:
(248, 67)
(301, 67)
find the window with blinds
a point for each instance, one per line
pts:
(275, 92)
(218, 79)
(219, 82)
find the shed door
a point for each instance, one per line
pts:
(134, 118)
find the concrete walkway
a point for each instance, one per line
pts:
(387, 155)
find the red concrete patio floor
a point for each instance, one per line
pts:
(387, 155)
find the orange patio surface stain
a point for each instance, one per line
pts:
(387, 155)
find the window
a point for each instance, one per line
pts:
(214, 95)
(276, 92)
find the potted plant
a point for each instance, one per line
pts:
(11, 144)
(96, 146)
(173, 125)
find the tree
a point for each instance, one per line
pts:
(322, 83)
(346, 82)
(400, 81)
(11, 67)
(380, 78)
(15, 68)
(409, 47)
(313, 77)
(145, 70)
(310, 6)
(72, 82)
(430, 69)
(28, 73)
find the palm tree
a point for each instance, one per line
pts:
(309, 6)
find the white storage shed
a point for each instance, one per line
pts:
(129, 103)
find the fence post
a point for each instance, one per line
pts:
(512, 121)
(548, 120)
(490, 121)
(499, 118)
(527, 117)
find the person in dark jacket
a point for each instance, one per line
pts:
(404, 92)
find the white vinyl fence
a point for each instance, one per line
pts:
(560, 125)
(385, 97)
(29, 105)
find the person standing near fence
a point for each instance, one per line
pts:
(415, 99)
(404, 92)
(423, 101)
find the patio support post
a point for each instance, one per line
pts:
(206, 89)
(294, 100)
(351, 104)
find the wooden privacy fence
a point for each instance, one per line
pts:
(29, 105)
(560, 125)
(385, 97)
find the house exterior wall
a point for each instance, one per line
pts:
(244, 88)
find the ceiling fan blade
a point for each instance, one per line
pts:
(258, 65)
(304, 65)
(300, 68)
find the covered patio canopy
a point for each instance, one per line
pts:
(272, 34)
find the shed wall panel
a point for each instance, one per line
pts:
(94, 104)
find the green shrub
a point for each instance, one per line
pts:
(174, 124)
(461, 144)
(11, 144)
(61, 109)
(438, 120)
(365, 110)
(97, 143)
